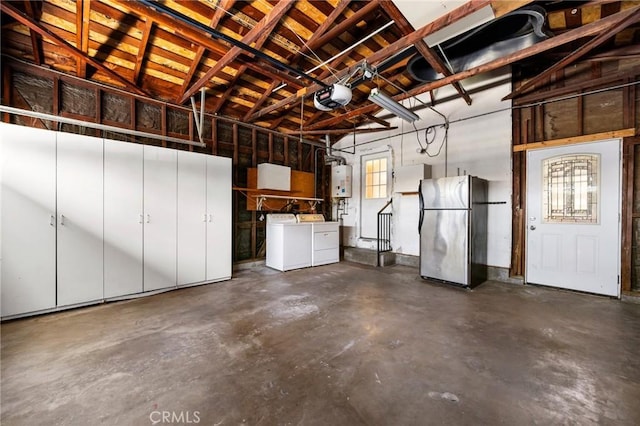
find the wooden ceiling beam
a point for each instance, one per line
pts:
(83, 18)
(266, 25)
(196, 36)
(605, 35)
(224, 6)
(375, 119)
(340, 131)
(142, 49)
(326, 24)
(264, 36)
(310, 44)
(343, 26)
(427, 53)
(500, 8)
(260, 101)
(5, 7)
(36, 45)
(313, 42)
(567, 37)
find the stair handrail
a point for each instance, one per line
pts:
(384, 228)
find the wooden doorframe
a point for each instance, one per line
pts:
(519, 191)
(628, 174)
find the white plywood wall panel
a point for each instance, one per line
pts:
(479, 143)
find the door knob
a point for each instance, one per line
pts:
(532, 227)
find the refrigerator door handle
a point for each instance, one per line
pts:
(421, 200)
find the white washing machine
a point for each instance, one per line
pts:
(288, 242)
(325, 239)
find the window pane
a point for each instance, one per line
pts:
(369, 179)
(376, 166)
(376, 178)
(383, 164)
(369, 192)
(570, 189)
(383, 178)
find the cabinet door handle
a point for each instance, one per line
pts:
(52, 220)
(204, 217)
(61, 220)
(148, 218)
(210, 217)
(141, 219)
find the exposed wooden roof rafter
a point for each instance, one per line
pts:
(196, 36)
(260, 101)
(613, 29)
(36, 45)
(567, 37)
(262, 38)
(83, 15)
(500, 9)
(266, 25)
(341, 131)
(421, 46)
(78, 54)
(312, 43)
(144, 42)
(217, 16)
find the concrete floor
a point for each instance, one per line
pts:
(342, 344)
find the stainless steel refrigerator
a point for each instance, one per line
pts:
(453, 229)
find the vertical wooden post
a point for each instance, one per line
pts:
(214, 136)
(254, 147)
(98, 92)
(236, 150)
(628, 171)
(56, 100)
(134, 119)
(7, 89)
(163, 122)
(286, 151)
(517, 224)
(254, 163)
(270, 147)
(299, 154)
(191, 129)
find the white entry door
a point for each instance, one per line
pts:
(573, 205)
(375, 187)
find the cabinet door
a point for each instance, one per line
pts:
(160, 216)
(123, 214)
(192, 193)
(218, 218)
(80, 218)
(28, 202)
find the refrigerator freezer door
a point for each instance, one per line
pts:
(444, 252)
(446, 193)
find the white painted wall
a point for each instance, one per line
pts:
(479, 143)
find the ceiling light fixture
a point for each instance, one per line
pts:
(386, 102)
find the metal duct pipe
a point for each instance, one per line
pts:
(329, 156)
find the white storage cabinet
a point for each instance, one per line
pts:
(108, 212)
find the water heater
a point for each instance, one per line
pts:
(341, 181)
